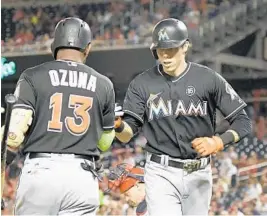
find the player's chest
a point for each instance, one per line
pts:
(174, 99)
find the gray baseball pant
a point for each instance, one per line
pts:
(56, 186)
(174, 191)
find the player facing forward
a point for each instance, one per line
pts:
(64, 116)
(175, 103)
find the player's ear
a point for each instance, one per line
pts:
(87, 49)
(186, 46)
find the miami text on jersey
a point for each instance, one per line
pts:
(163, 109)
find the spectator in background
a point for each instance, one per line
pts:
(254, 189)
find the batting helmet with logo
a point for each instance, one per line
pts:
(71, 33)
(168, 33)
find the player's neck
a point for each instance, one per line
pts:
(70, 55)
(180, 69)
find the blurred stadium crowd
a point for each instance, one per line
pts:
(238, 190)
(112, 22)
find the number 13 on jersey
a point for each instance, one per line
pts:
(80, 105)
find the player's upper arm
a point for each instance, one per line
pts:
(134, 102)
(109, 107)
(25, 93)
(226, 99)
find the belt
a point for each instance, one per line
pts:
(50, 155)
(188, 166)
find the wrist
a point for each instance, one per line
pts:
(120, 128)
(227, 138)
(219, 143)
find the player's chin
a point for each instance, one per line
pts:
(169, 67)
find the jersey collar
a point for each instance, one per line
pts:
(172, 78)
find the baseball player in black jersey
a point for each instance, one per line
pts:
(64, 118)
(175, 104)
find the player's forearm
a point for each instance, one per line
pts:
(20, 121)
(106, 140)
(240, 127)
(124, 133)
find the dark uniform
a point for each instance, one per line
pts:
(72, 105)
(173, 111)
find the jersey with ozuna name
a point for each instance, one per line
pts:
(175, 110)
(72, 105)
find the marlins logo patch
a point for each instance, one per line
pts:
(163, 35)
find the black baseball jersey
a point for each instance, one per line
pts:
(176, 110)
(72, 105)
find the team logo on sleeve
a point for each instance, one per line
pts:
(17, 90)
(233, 95)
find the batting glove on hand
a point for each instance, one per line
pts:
(207, 145)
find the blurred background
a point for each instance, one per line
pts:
(229, 36)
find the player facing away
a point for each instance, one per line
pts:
(63, 119)
(175, 104)
(130, 181)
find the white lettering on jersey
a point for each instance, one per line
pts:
(72, 79)
(63, 78)
(92, 83)
(82, 81)
(54, 77)
(158, 109)
(162, 109)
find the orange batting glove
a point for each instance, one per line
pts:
(207, 145)
(117, 122)
(118, 114)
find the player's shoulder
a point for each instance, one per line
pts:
(35, 69)
(144, 77)
(206, 72)
(102, 78)
(201, 68)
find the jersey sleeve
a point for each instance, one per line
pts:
(109, 110)
(226, 98)
(25, 93)
(134, 103)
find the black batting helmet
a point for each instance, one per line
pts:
(168, 33)
(71, 33)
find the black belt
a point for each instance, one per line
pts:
(48, 155)
(189, 166)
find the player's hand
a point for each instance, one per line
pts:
(118, 114)
(208, 145)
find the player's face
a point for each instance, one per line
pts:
(134, 196)
(170, 58)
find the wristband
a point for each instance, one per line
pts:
(235, 134)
